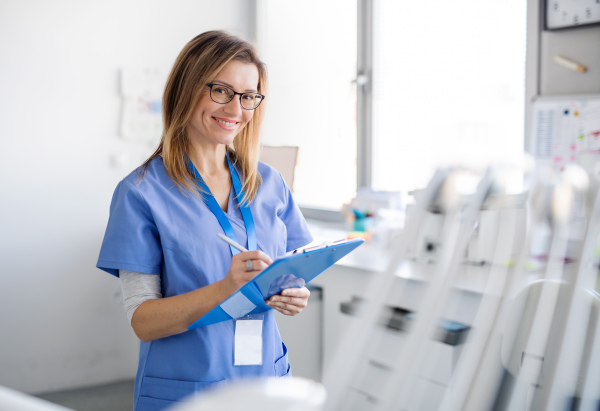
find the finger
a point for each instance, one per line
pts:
(265, 258)
(255, 255)
(293, 304)
(285, 309)
(257, 265)
(296, 292)
(289, 300)
(285, 312)
(302, 300)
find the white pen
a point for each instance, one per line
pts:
(231, 242)
(570, 64)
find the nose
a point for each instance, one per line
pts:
(234, 106)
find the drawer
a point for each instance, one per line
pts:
(370, 378)
(359, 401)
(425, 395)
(436, 359)
(367, 389)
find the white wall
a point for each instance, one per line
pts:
(60, 323)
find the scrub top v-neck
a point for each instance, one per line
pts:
(154, 228)
(219, 214)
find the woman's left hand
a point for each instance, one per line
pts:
(291, 301)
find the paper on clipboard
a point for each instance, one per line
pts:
(290, 271)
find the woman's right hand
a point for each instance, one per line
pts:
(238, 274)
(163, 317)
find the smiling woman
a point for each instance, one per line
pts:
(162, 241)
(184, 93)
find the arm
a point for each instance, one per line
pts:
(136, 288)
(163, 317)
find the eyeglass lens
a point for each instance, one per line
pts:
(224, 95)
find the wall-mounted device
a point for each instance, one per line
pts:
(563, 14)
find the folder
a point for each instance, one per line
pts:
(292, 270)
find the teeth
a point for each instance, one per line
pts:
(225, 123)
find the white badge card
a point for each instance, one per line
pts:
(248, 341)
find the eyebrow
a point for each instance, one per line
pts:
(231, 87)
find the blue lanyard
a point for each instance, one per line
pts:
(218, 212)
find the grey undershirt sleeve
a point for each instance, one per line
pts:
(137, 288)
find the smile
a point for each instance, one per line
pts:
(225, 123)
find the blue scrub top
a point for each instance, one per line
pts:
(154, 228)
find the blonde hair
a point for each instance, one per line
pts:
(198, 64)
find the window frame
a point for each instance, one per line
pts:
(364, 90)
(364, 104)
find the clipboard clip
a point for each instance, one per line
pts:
(324, 244)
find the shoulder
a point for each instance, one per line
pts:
(144, 178)
(146, 185)
(273, 186)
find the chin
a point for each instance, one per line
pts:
(230, 139)
(226, 141)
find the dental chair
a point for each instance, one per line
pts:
(551, 349)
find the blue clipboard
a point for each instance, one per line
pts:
(290, 271)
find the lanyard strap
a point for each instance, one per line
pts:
(244, 208)
(213, 205)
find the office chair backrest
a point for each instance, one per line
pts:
(282, 159)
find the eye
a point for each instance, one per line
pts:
(249, 97)
(220, 90)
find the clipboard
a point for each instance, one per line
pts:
(292, 270)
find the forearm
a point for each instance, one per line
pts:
(158, 317)
(163, 317)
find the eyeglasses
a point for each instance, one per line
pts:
(223, 95)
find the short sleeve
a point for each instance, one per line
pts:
(131, 241)
(297, 230)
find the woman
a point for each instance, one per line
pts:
(161, 238)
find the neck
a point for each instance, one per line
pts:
(209, 161)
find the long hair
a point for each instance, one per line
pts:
(198, 64)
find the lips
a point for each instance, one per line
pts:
(228, 123)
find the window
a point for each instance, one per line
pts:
(448, 87)
(445, 85)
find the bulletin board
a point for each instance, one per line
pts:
(141, 108)
(566, 130)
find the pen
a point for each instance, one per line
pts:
(570, 64)
(231, 242)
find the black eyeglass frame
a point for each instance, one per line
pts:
(211, 85)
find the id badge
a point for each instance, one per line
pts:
(248, 340)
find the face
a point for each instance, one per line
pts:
(213, 123)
